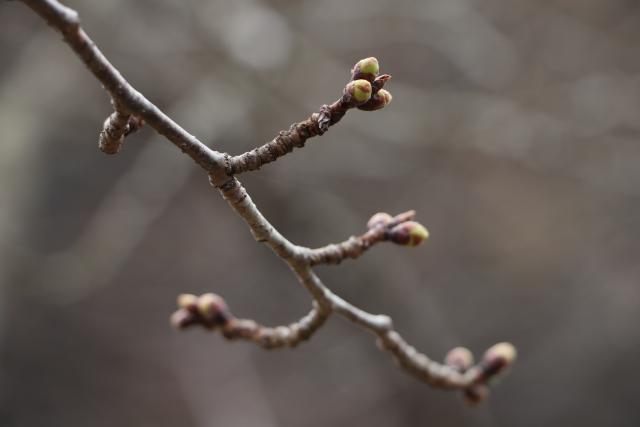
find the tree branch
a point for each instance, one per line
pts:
(399, 229)
(357, 93)
(67, 22)
(211, 312)
(365, 92)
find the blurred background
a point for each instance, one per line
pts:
(513, 132)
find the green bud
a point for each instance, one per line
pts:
(379, 219)
(367, 69)
(408, 233)
(359, 91)
(378, 101)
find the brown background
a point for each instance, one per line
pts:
(513, 132)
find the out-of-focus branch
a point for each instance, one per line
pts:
(211, 312)
(365, 92)
(125, 96)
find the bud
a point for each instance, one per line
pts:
(459, 358)
(359, 91)
(498, 358)
(367, 69)
(408, 233)
(503, 350)
(212, 307)
(377, 101)
(182, 318)
(379, 219)
(188, 301)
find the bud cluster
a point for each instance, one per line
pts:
(400, 230)
(365, 91)
(208, 310)
(494, 362)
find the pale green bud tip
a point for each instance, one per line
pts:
(408, 233)
(379, 219)
(210, 305)
(368, 66)
(360, 90)
(460, 358)
(187, 301)
(417, 234)
(504, 350)
(367, 69)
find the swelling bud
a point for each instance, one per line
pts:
(377, 102)
(459, 358)
(379, 220)
(367, 69)
(408, 233)
(212, 307)
(497, 359)
(358, 91)
(182, 318)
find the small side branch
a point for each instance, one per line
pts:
(129, 100)
(454, 374)
(364, 92)
(399, 229)
(115, 128)
(211, 312)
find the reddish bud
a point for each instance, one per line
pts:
(133, 125)
(182, 318)
(377, 102)
(459, 358)
(212, 307)
(367, 69)
(409, 233)
(379, 219)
